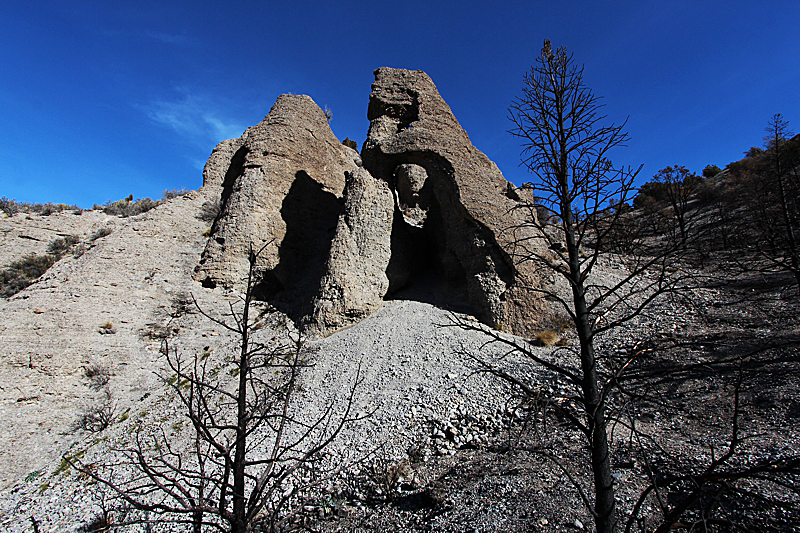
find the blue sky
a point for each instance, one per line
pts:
(99, 100)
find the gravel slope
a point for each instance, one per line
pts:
(436, 428)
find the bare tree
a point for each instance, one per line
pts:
(783, 174)
(680, 187)
(567, 150)
(248, 446)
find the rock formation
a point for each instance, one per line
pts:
(356, 281)
(427, 216)
(455, 211)
(219, 162)
(282, 188)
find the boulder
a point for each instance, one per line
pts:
(282, 192)
(413, 199)
(455, 220)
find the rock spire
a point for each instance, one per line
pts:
(427, 216)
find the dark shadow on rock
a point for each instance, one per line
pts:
(310, 214)
(418, 501)
(422, 268)
(235, 170)
(433, 263)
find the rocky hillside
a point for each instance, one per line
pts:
(414, 220)
(54, 330)
(375, 256)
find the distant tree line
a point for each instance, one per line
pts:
(751, 208)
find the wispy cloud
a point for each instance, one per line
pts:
(171, 38)
(165, 38)
(198, 118)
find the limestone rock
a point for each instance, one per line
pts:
(282, 188)
(412, 197)
(429, 216)
(219, 162)
(355, 281)
(466, 232)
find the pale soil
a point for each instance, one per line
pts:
(50, 331)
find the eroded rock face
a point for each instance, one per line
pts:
(413, 199)
(219, 162)
(427, 217)
(356, 281)
(282, 188)
(458, 213)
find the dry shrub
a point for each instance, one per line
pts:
(128, 208)
(60, 247)
(98, 416)
(12, 207)
(209, 211)
(174, 193)
(97, 374)
(23, 272)
(100, 233)
(546, 337)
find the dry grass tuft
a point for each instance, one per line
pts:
(546, 337)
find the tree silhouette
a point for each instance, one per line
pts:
(249, 448)
(566, 148)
